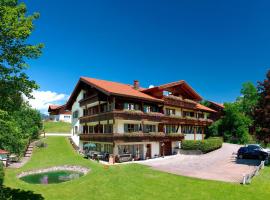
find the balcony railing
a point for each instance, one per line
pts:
(178, 102)
(132, 137)
(157, 117)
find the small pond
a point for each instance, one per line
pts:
(52, 177)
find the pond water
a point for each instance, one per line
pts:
(51, 177)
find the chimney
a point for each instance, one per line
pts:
(136, 84)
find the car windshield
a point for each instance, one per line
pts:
(253, 147)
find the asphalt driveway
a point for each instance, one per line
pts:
(217, 165)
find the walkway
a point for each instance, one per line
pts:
(217, 165)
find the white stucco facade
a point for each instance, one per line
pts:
(61, 118)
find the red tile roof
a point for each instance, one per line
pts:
(118, 88)
(54, 107)
(217, 104)
(202, 107)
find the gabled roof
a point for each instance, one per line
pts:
(61, 108)
(54, 107)
(180, 83)
(112, 88)
(204, 108)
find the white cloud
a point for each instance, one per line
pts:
(42, 99)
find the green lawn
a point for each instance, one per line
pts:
(57, 127)
(127, 182)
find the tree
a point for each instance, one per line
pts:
(15, 28)
(29, 121)
(262, 112)
(249, 99)
(238, 116)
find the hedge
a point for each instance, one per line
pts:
(1, 174)
(205, 146)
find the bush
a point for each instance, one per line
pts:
(1, 173)
(205, 146)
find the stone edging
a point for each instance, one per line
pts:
(74, 168)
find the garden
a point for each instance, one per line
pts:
(121, 181)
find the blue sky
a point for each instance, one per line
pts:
(214, 45)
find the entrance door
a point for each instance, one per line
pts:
(165, 148)
(148, 151)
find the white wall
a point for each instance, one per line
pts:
(62, 118)
(76, 106)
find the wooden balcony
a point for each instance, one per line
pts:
(177, 102)
(88, 100)
(139, 115)
(131, 137)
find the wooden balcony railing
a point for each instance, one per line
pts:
(131, 137)
(156, 117)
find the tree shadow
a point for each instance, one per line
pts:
(17, 194)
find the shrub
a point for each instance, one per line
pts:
(1, 173)
(205, 146)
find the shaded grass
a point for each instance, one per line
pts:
(130, 182)
(57, 127)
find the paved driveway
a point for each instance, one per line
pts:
(217, 165)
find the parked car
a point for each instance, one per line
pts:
(253, 151)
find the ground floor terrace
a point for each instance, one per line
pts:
(128, 151)
(127, 148)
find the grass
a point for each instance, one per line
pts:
(57, 127)
(128, 182)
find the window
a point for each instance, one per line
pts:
(170, 111)
(103, 108)
(131, 106)
(108, 128)
(188, 114)
(66, 117)
(200, 115)
(98, 128)
(147, 128)
(85, 129)
(171, 128)
(85, 112)
(91, 129)
(188, 129)
(129, 128)
(75, 114)
(147, 109)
